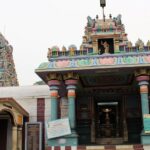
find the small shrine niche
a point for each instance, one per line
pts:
(106, 46)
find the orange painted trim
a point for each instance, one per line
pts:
(144, 89)
(54, 93)
(71, 93)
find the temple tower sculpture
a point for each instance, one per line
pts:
(8, 76)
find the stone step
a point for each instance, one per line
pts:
(104, 147)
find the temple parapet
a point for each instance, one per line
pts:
(101, 37)
(55, 53)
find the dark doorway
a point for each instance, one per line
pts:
(3, 134)
(104, 44)
(107, 120)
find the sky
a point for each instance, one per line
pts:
(33, 26)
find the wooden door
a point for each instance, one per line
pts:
(3, 134)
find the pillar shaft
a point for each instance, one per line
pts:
(14, 138)
(143, 84)
(54, 86)
(19, 138)
(145, 103)
(54, 102)
(71, 110)
(54, 110)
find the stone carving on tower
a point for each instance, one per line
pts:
(8, 76)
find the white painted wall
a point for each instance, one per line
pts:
(27, 96)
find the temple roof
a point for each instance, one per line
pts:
(104, 46)
(99, 34)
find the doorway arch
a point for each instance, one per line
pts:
(11, 123)
(6, 124)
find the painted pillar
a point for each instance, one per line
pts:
(19, 138)
(71, 80)
(143, 82)
(54, 86)
(14, 138)
(71, 86)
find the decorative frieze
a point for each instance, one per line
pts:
(98, 61)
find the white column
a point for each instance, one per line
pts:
(14, 138)
(19, 138)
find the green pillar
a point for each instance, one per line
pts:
(54, 103)
(71, 109)
(143, 84)
(54, 87)
(71, 86)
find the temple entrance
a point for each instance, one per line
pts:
(108, 122)
(12, 117)
(109, 108)
(5, 131)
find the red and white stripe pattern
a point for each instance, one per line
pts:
(106, 147)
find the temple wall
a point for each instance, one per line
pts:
(27, 97)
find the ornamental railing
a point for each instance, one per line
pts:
(91, 51)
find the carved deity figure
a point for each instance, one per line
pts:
(72, 49)
(129, 44)
(139, 44)
(148, 45)
(49, 53)
(64, 50)
(106, 46)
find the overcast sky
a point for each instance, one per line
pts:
(31, 26)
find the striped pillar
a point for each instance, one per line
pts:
(54, 86)
(71, 86)
(143, 82)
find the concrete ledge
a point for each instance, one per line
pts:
(106, 147)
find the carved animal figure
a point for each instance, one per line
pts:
(117, 20)
(91, 22)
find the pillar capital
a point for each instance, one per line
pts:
(143, 82)
(142, 78)
(53, 76)
(55, 83)
(71, 82)
(71, 76)
(142, 72)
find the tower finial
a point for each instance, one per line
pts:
(103, 4)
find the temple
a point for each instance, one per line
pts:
(102, 87)
(95, 97)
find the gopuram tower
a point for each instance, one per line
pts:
(8, 76)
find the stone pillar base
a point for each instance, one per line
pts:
(69, 140)
(145, 138)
